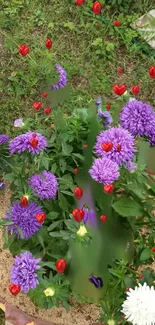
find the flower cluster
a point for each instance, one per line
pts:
(30, 141)
(3, 138)
(62, 78)
(104, 171)
(24, 218)
(23, 272)
(45, 186)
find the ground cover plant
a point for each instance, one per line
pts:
(78, 167)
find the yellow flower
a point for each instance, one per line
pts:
(49, 292)
(82, 231)
(111, 322)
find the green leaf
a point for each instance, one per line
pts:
(52, 215)
(41, 241)
(10, 177)
(70, 25)
(54, 225)
(5, 222)
(54, 168)
(126, 207)
(146, 254)
(67, 193)
(66, 149)
(97, 42)
(51, 265)
(45, 162)
(55, 234)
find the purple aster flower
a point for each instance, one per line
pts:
(30, 141)
(3, 138)
(104, 171)
(131, 166)
(89, 217)
(122, 143)
(99, 101)
(45, 186)
(138, 118)
(24, 218)
(2, 186)
(18, 123)
(106, 117)
(24, 271)
(97, 281)
(62, 78)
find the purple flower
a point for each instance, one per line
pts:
(62, 78)
(89, 217)
(2, 186)
(104, 171)
(23, 272)
(97, 281)
(138, 118)
(122, 145)
(30, 141)
(106, 117)
(18, 123)
(3, 138)
(99, 101)
(24, 218)
(131, 166)
(45, 186)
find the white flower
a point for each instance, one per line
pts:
(139, 307)
(131, 99)
(49, 292)
(111, 322)
(82, 231)
(18, 123)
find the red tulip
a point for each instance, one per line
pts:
(119, 90)
(61, 265)
(152, 72)
(40, 217)
(78, 214)
(47, 110)
(78, 192)
(118, 147)
(76, 170)
(108, 188)
(103, 218)
(79, 2)
(153, 249)
(107, 146)
(97, 7)
(24, 201)
(108, 106)
(37, 105)
(49, 44)
(135, 90)
(117, 23)
(33, 142)
(120, 70)
(44, 94)
(23, 49)
(14, 289)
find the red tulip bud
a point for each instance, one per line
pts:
(44, 94)
(47, 110)
(97, 7)
(40, 217)
(61, 265)
(152, 72)
(106, 146)
(24, 201)
(76, 170)
(108, 188)
(103, 218)
(23, 50)
(135, 90)
(78, 192)
(14, 289)
(79, 2)
(108, 106)
(37, 105)
(48, 44)
(78, 214)
(33, 142)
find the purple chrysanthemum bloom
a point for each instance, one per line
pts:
(3, 138)
(24, 141)
(122, 145)
(2, 186)
(138, 118)
(24, 218)
(18, 123)
(23, 272)
(99, 101)
(104, 171)
(45, 186)
(106, 117)
(131, 166)
(62, 78)
(89, 217)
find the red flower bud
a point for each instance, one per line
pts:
(23, 50)
(33, 142)
(37, 105)
(85, 145)
(47, 110)
(97, 7)
(108, 188)
(76, 170)
(48, 44)
(107, 146)
(152, 72)
(117, 23)
(108, 106)
(153, 249)
(118, 147)
(103, 218)
(40, 217)
(78, 192)
(120, 70)
(24, 201)
(61, 265)
(14, 289)
(135, 90)
(78, 214)
(44, 94)
(79, 2)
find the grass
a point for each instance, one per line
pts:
(89, 49)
